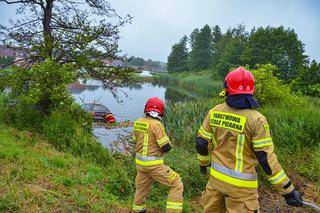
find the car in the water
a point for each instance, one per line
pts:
(99, 112)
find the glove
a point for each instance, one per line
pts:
(293, 198)
(203, 169)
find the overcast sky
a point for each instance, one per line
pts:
(158, 24)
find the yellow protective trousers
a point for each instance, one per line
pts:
(221, 197)
(164, 175)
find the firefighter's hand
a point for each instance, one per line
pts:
(203, 169)
(293, 198)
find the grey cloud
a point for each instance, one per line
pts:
(157, 25)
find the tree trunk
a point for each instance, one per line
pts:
(47, 30)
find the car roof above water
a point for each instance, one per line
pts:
(93, 107)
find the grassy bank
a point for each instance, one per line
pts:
(36, 177)
(52, 163)
(204, 83)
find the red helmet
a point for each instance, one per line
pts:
(154, 104)
(109, 118)
(239, 81)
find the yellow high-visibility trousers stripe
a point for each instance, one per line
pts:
(174, 205)
(138, 208)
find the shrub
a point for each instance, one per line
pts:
(60, 129)
(44, 85)
(27, 117)
(21, 116)
(70, 131)
(272, 91)
(308, 80)
(121, 177)
(83, 118)
(4, 109)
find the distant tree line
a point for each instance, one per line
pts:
(210, 48)
(140, 62)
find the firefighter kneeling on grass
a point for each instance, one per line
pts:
(151, 144)
(240, 137)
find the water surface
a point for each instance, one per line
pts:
(129, 105)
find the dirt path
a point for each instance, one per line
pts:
(271, 201)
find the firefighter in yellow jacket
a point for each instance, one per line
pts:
(240, 137)
(151, 144)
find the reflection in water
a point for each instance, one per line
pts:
(133, 99)
(135, 86)
(77, 87)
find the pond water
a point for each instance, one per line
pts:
(130, 103)
(129, 106)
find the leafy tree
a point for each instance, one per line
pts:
(137, 61)
(201, 53)
(308, 82)
(230, 48)
(43, 83)
(80, 33)
(178, 58)
(216, 34)
(151, 63)
(270, 90)
(277, 46)
(216, 37)
(193, 36)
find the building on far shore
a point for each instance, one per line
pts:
(14, 53)
(113, 62)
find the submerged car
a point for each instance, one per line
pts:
(99, 112)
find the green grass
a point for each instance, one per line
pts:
(61, 168)
(296, 134)
(204, 83)
(35, 176)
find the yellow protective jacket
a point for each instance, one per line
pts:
(241, 139)
(149, 135)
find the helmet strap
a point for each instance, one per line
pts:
(154, 114)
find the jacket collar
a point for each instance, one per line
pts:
(243, 101)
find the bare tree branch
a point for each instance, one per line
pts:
(21, 2)
(26, 59)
